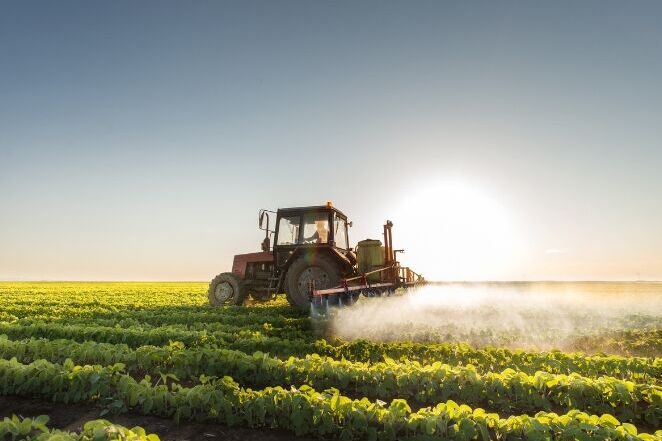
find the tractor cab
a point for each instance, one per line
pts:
(304, 228)
(310, 248)
(316, 225)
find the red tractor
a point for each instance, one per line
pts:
(311, 262)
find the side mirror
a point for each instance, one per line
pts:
(350, 224)
(264, 220)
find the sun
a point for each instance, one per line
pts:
(452, 230)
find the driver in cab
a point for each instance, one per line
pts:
(321, 235)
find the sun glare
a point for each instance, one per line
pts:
(453, 231)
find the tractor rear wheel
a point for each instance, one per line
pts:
(320, 269)
(226, 289)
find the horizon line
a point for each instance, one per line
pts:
(429, 281)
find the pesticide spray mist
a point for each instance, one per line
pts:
(541, 316)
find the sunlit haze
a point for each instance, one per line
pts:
(505, 140)
(537, 315)
(457, 232)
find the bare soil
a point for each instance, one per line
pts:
(71, 417)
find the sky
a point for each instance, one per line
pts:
(505, 140)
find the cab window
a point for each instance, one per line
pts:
(288, 230)
(340, 232)
(316, 228)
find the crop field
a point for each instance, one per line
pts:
(98, 359)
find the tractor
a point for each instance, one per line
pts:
(311, 262)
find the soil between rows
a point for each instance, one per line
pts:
(71, 417)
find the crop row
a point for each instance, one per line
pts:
(282, 344)
(303, 411)
(643, 342)
(638, 343)
(35, 429)
(486, 359)
(135, 337)
(84, 297)
(291, 331)
(646, 342)
(120, 294)
(508, 391)
(156, 316)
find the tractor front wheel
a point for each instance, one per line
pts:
(226, 289)
(320, 270)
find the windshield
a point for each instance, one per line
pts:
(340, 232)
(315, 228)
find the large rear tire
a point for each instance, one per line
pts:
(226, 289)
(321, 269)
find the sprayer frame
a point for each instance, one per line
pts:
(392, 276)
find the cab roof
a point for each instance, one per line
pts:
(312, 208)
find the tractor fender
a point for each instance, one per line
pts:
(240, 262)
(345, 263)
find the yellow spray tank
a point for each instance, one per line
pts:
(369, 257)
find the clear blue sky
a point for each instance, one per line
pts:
(138, 139)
